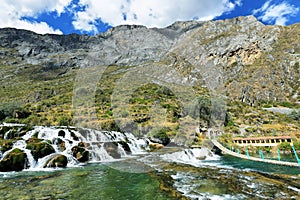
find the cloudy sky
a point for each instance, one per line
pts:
(94, 16)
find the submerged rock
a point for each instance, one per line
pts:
(16, 160)
(57, 161)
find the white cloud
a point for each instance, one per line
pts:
(12, 12)
(276, 12)
(151, 13)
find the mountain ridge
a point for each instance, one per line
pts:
(249, 63)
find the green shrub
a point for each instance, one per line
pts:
(64, 120)
(297, 145)
(295, 115)
(285, 146)
(159, 135)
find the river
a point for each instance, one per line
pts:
(155, 176)
(169, 173)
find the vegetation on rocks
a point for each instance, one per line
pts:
(15, 160)
(39, 148)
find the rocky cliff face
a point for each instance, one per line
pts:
(243, 59)
(255, 61)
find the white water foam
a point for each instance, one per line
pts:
(195, 156)
(71, 137)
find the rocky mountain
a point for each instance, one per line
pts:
(240, 60)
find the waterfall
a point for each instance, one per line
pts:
(99, 153)
(193, 156)
(101, 146)
(121, 151)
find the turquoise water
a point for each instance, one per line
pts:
(226, 178)
(94, 181)
(258, 166)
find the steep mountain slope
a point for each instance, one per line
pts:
(132, 76)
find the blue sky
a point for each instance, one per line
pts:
(95, 16)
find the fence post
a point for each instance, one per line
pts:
(278, 150)
(247, 152)
(261, 154)
(295, 152)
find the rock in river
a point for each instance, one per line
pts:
(16, 160)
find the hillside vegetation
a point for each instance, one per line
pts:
(186, 77)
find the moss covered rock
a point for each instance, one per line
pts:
(13, 132)
(16, 160)
(5, 145)
(57, 161)
(39, 149)
(3, 130)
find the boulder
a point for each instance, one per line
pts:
(16, 160)
(160, 137)
(39, 149)
(80, 153)
(61, 133)
(155, 146)
(112, 149)
(83, 144)
(125, 146)
(57, 161)
(73, 135)
(60, 144)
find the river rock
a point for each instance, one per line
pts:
(60, 144)
(39, 149)
(112, 149)
(73, 135)
(125, 146)
(61, 133)
(57, 161)
(80, 153)
(155, 146)
(16, 160)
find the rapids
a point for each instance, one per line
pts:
(120, 166)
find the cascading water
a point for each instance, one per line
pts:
(191, 156)
(74, 143)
